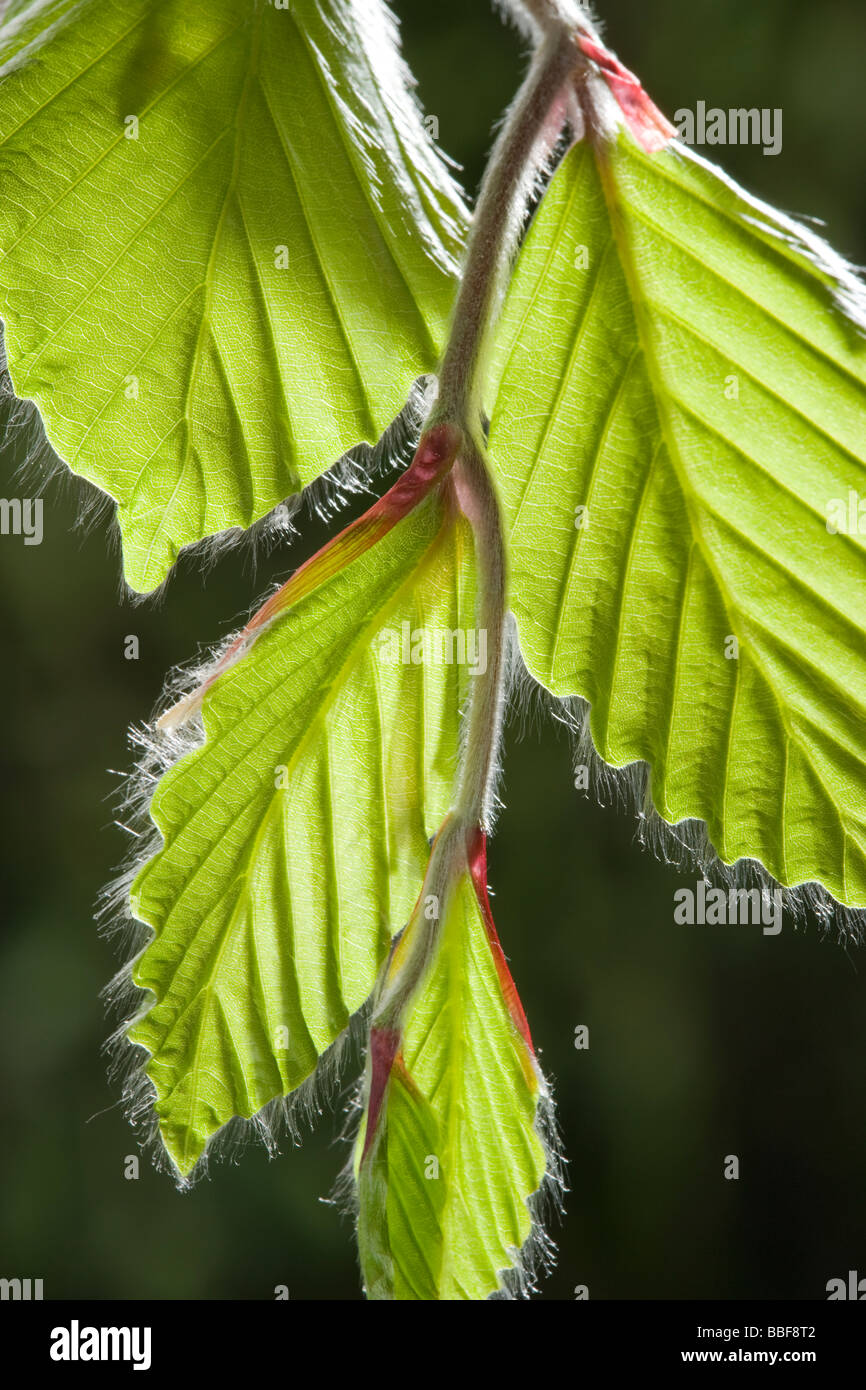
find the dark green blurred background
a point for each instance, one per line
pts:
(704, 1041)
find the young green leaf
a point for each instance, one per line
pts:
(450, 1153)
(227, 248)
(680, 437)
(296, 836)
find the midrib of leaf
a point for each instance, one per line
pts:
(677, 660)
(333, 875)
(782, 838)
(244, 479)
(624, 589)
(324, 274)
(205, 327)
(601, 442)
(660, 393)
(386, 231)
(454, 1074)
(384, 878)
(267, 316)
(732, 714)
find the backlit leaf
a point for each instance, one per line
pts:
(680, 440)
(226, 248)
(455, 1155)
(295, 837)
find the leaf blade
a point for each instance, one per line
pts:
(450, 1159)
(295, 835)
(132, 320)
(705, 402)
